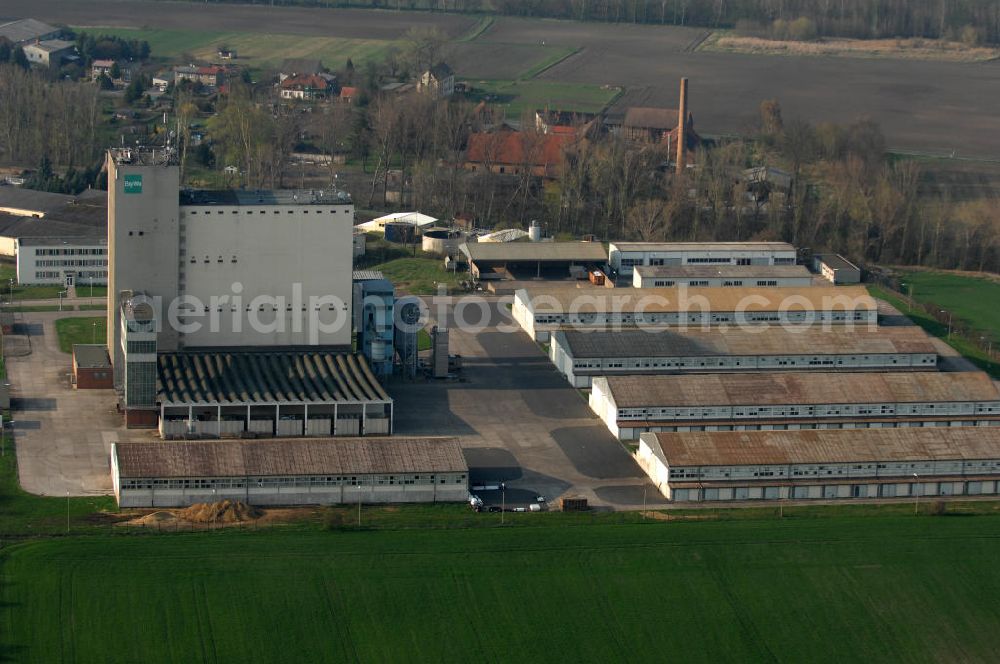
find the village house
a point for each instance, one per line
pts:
(125, 72)
(299, 67)
(562, 122)
(347, 94)
(308, 87)
(212, 76)
(438, 80)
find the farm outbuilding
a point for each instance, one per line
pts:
(811, 465)
(415, 219)
(279, 393)
(582, 355)
(632, 405)
(543, 310)
(319, 471)
(837, 269)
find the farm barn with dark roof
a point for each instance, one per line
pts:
(269, 394)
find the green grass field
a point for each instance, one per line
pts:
(974, 352)
(899, 589)
(255, 50)
(972, 300)
(418, 276)
(527, 95)
(8, 271)
(87, 330)
(23, 514)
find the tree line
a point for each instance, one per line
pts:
(42, 118)
(863, 19)
(845, 193)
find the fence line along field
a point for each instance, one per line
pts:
(900, 588)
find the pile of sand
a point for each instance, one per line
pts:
(154, 519)
(224, 511)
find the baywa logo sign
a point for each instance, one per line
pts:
(133, 184)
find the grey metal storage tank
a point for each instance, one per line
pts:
(441, 241)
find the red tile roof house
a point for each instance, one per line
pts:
(347, 94)
(511, 152)
(307, 87)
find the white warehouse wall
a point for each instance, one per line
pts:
(293, 252)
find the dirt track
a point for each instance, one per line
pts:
(922, 106)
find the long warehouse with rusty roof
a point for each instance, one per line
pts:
(289, 472)
(632, 405)
(810, 465)
(216, 394)
(582, 355)
(541, 311)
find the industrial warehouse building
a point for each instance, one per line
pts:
(631, 405)
(624, 256)
(494, 261)
(230, 312)
(541, 311)
(810, 465)
(582, 355)
(294, 393)
(192, 246)
(290, 472)
(730, 276)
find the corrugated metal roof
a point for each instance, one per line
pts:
(26, 29)
(368, 275)
(716, 341)
(536, 251)
(734, 448)
(559, 299)
(265, 377)
(790, 388)
(303, 456)
(723, 271)
(703, 246)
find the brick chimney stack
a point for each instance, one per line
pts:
(682, 114)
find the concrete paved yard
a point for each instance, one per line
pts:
(63, 436)
(522, 423)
